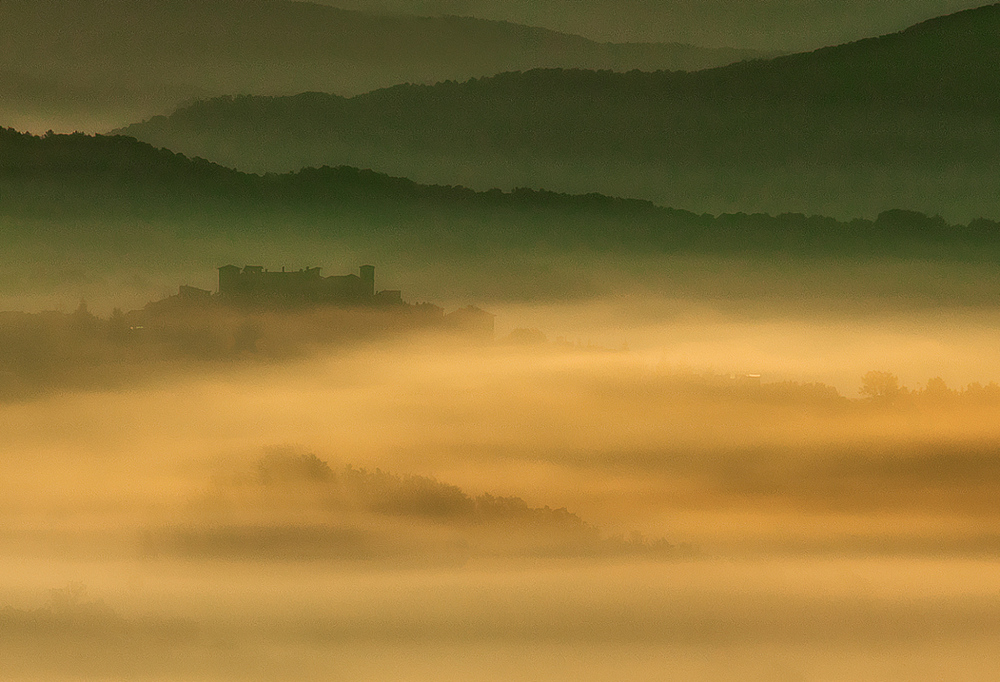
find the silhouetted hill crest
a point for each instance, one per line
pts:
(120, 60)
(908, 119)
(120, 177)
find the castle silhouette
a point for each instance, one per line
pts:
(255, 284)
(255, 288)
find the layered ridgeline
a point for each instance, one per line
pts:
(121, 223)
(126, 186)
(93, 62)
(905, 120)
(767, 24)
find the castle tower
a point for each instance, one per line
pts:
(228, 278)
(368, 279)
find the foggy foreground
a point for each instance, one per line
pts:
(426, 509)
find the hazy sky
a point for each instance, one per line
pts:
(763, 24)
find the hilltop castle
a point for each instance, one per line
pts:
(252, 290)
(254, 284)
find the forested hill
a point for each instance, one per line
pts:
(103, 60)
(77, 164)
(67, 180)
(909, 119)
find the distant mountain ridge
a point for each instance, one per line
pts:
(767, 24)
(908, 119)
(144, 56)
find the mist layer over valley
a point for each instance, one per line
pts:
(614, 375)
(444, 502)
(663, 459)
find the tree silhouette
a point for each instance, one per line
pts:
(880, 386)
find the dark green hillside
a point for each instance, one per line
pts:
(906, 120)
(119, 60)
(118, 179)
(119, 223)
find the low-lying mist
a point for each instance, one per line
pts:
(648, 480)
(624, 440)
